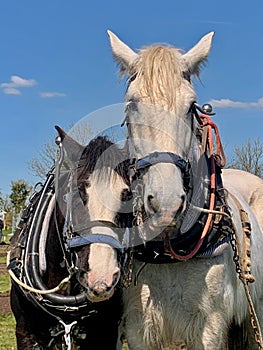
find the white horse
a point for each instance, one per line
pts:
(251, 188)
(190, 304)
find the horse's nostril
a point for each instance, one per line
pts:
(116, 277)
(183, 198)
(98, 289)
(151, 202)
(150, 197)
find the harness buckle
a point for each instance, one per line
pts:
(67, 334)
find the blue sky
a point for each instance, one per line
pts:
(56, 65)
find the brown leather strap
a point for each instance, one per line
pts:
(244, 250)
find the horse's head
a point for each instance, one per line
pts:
(99, 188)
(160, 121)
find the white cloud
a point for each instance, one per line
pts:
(227, 103)
(16, 82)
(51, 94)
(11, 91)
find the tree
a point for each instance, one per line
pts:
(249, 157)
(19, 193)
(40, 166)
(1, 200)
(7, 206)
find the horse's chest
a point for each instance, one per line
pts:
(170, 291)
(171, 301)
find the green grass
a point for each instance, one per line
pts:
(3, 259)
(7, 334)
(6, 232)
(5, 283)
(7, 322)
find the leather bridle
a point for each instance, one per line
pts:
(163, 157)
(81, 235)
(138, 165)
(88, 237)
(167, 157)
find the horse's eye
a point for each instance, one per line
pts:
(187, 76)
(132, 77)
(85, 184)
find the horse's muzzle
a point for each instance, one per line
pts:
(99, 288)
(99, 292)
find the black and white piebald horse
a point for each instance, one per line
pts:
(71, 231)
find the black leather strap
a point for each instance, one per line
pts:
(161, 157)
(165, 157)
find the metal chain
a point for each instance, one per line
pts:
(127, 269)
(236, 257)
(241, 274)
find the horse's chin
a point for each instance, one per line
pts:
(163, 220)
(154, 227)
(159, 224)
(151, 229)
(94, 298)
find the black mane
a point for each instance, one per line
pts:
(101, 153)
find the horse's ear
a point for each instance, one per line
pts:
(73, 148)
(124, 55)
(195, 57)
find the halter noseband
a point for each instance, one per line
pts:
(165, 157)
(89, 237)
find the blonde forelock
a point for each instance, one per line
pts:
(158, 75)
